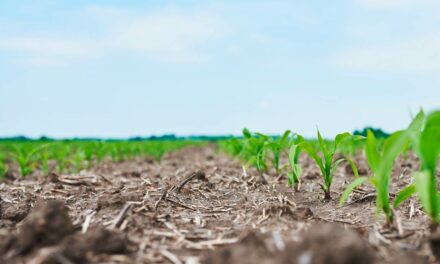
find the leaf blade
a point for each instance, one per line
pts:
(349, 189)
(404, 194)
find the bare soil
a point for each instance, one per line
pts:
(200, 206)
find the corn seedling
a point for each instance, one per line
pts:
(61, 158)
(294, 175)
(277, 146)
(117, 153)
(233, 146)
(78, 160)
(88, 156)
(381, 164)
(44, 163)
(427, 146)
(100, 153)
(75, 155)
(326, 163)
(25, 159)
(254, 150)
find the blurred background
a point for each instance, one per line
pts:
(140, 68)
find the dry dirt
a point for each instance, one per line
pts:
(199, 206)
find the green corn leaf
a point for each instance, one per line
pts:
(285, 138)
(262, 136)
(322, 144)
(414, 132)
(417, 122)
(328, 177)
(297, 169)
(374, 182)
(373, 156)
(358, 137)
(357, 182)
(299, 139)
(423, 183)
(250, 161)
(404, 194)
(271, 145)
(430, 142)
(395, 144)
(339, 138)
(353, 167)
(298, 142)
(335, 165)
(247, 133)
(293, 154)
(429, 148)
(261, 160)
(314, 155)
(290, 179)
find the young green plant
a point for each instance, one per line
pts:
(277, 146)
(78, 160)
(233, 146)
(325, 161)
(381, 163)
(25, 159)
(61, 158)
(428, 148)
(44, 162)
(254, 150)
(294, 175)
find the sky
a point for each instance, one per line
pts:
(128, 68)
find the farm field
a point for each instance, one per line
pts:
(251, 199)
(211, 132)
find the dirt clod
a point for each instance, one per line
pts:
(276, 209)
(96, 241)
(251, 249)
(302, 213)
(329, 243)
(104, 241)
(311, 175)
(15, 212)
(46, 225)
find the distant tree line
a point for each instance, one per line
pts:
(168, 137)
(378, 133)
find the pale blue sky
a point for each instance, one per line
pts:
(126, 68)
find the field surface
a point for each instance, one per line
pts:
(198, 205)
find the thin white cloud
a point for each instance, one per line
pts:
(48, 50)
(415, 54)
(171, 36)
(386, 4)
(164, 35)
